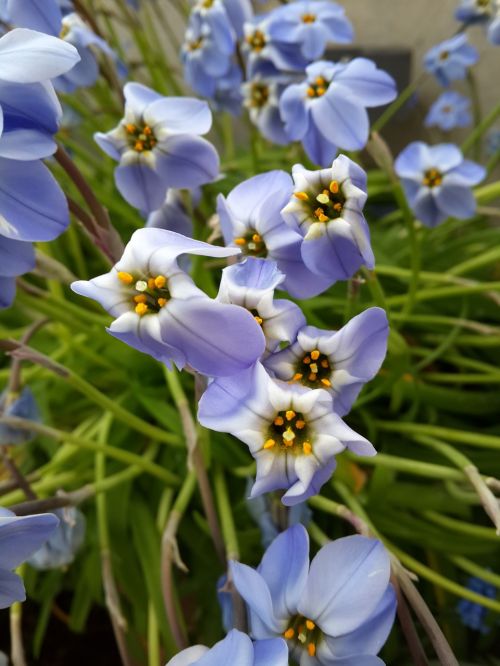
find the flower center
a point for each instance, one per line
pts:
(256, 316)
(304, 633)
(259, 95)
(314, 370)
(206, 4)
(257, 40)
(195, 45)
(148, 295)
(325, 206)
(318, 87)
(252, 244)
(65, 29)
(140, 137)
(482, 3)
(432, 178)
(447, 109)
(444, 55)
(308, 18)
(289, 433)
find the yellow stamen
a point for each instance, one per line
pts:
(308, 18)
(130, 128)
(312, 377)
(141, 309)
(259, 320)
(126, 278)
(140, 298)
(160, 281)
(306, 360)
(269, 444)
(324, 363)
(279, 421)
(326, 382)
(162, 302)
(311, 92)
(311, 649)
(337, 207)
(139, 146)
(290, 414)
(320, 81)
(151, 283)
(256, 238)
(303, 196)
(147, 130)
(321, 215)
(320, 91)
(310, 625)
(334, 187)
(240, 241)
(307, 448)
(315, 354)
(289, 633)
(314, 367)
(297, 376)
(300, 424)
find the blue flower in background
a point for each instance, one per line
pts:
(158, 309)
(261, 98)
(473, 615)
(172, 215)
(16, 258)
(250, 219)
(235, 650)
(290, 430)
(203, 58)
(337, 610)
(339, 361)
(486, 12)
(327, 110)
(251, 284)
(450, 60)
(450, 110)
(158, 146)
(266, 55)
(71, 29)
(311, 26)
(20, 536)
(23, 406)
(326, 208)
(493, 142)
(263, 511)
(212, 13)
(227, 95)
(61, 548)
(437, 181)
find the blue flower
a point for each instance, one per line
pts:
(213, 14)
(339, 361)
(250, 219)
(486, 12)
(493, 142)
(172, 215)
(450, 110)
(158, 310)
(227, 95)
(20, 536)
(71, 29)
(203, 58)
(16, 258)
(473, 615)
(27, 56)
(62, 546)
(158, 146)
(327, 110)
(235, 650)
(251, 284)
(261, 97)
(290, 430)
(437, 181)
(337, 610)
(311, 26)
(266, 55)
(22, 405)
(326, 208)
(450, 59)
(261, 509)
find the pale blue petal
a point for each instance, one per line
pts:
(236, 648)
(20, 536)
(293, 111)
(180, 115)
(254, 590)
(186, 161)
(11, 589)
(341, 120)
(270, 652)
(456, 201)
(140, 185)
(367, 84)
(44, 17)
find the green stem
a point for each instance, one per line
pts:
(226, 516)
(475, 439)
(483, 127)
(399, 102)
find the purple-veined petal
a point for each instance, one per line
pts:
(186, 161)
(367, 84)
(140, 184)
(180, 115)
(11, 588)
(20, 536)
(341, 120)
(254, 590)
(43, 17)
(270, 652)
(188, 656)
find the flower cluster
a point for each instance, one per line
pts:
(32, 205)
(275, 59)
